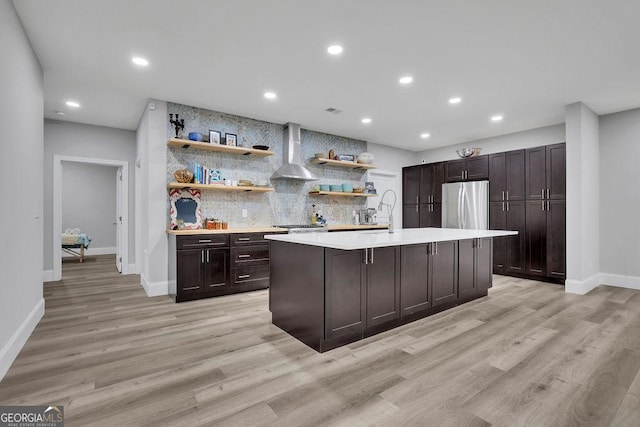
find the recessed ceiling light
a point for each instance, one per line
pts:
(496, 118)
(335, 49)
(140, 61)
(455, 100)
(366, 120)
(424, 135)
(405, 80)
(61, 113)
(270, 95)
(72, 104)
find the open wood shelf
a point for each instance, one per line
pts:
(219, 187)
(341, 163)
(206, 146)
(340, 193)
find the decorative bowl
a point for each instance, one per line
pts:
(183, 176)
(358, 189)
(261, 147)
(365, 158)
(196, 136)
(468, 152)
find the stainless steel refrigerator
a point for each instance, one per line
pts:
(466, 205)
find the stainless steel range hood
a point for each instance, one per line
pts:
(292, 165)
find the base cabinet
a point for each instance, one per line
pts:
(474, 267)
(444, 272)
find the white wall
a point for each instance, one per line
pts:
(93, 212)
(583, 176)
(79, 140)
(513, 141)
(390, 158)
(151, 146)
(21, 106)
(620, 197)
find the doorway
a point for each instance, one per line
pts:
(383, 181)
(120, 222)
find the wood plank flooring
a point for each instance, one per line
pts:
(526, 355)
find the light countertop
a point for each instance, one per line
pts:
(227, 231)
(338, 227)
(350, 240)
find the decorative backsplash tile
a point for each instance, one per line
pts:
(290, 203)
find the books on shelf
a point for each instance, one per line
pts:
(204, 175)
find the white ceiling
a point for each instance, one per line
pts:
(523, 59)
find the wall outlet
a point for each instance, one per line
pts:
(244, 213)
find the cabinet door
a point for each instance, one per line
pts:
(411, 185)
(345, 284)
(536, 243)
(426, 184)
(556, 239)
(431, 215)
(498, 221)
(190, 271)
(483, 273)
(466, 261)
(383, 285)
(497, 177)
(515, 245)
(415, 293)
(535, 165)
(410, 216)
(477, 168)
(443, 273)
(556, 172)
(438, 180)
(515, 175)
(217, 270)
(454, 170)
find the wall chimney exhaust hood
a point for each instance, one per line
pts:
(291, 165)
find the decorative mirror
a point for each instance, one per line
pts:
(184, 208)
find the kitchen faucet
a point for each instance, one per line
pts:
(389, 206)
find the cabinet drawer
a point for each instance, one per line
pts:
(202, 241)
(238, 239)
(249, 255)
(248, 274)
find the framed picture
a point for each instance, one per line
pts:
(184, 209)
(231, 139)
(214, 137)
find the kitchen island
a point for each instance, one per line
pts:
(331, 289)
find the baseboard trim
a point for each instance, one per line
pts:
(619, 280)
(47, 276)
(581, 287)
(154, 289)
(92, 251)
(12, 348)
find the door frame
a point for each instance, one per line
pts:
(122, 165)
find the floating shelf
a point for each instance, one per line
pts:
(340, 193)
(352, 165)
(242, 151)
(218, 187)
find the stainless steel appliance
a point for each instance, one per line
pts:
(466, 205)
(303, 228)
(368, 216)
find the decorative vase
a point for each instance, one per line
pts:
(365, 158)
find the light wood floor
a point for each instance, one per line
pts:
(526, 355)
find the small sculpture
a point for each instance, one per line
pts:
(178, 124)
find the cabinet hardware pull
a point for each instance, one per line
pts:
(243, 239)
(204, 241)
(244, 276)
(543, 205)
(416, 208)
(244, 256)
(417, 199)
(548, 205)
(202, 257)
(507, 206)
(548, 192)
(207, 256)
(191, 288)
(542, 197)
(507, 194)
(502, 194)
(371, 255)
(502, 206)
(366, 255)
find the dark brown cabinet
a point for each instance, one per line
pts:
(474, 268)
(444, 272)
(363, 289)
(415, 292)
(422, 195)
(546, 172)
(545, 237)
(507, 176)
(210, 265)
(469, 169)
(508, 251)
